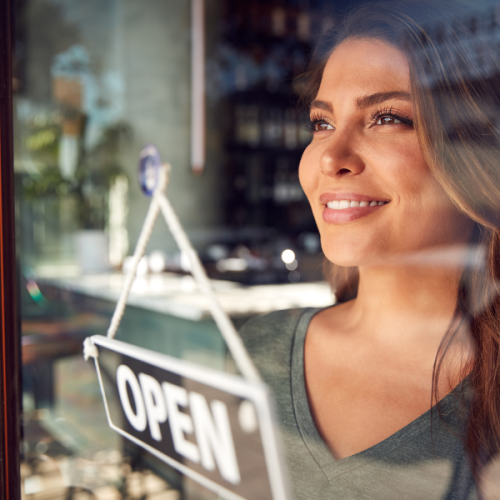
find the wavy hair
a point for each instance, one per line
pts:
(455, 79)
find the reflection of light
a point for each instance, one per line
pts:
(247, 417)
(292, 265)
(235, 264)
(157, 261)
(140, 285)
(288, 256)
(35, 292)
(142, 267)
(150, 174)
(188, 284)
(197, 86)
(217, 252)
(156, 284)
(118, 209)
(294, 277)
(184, 262)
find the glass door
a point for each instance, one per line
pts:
(212, 85)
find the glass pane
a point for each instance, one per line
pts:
(314, 145)
(96, 82)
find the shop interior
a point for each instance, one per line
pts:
(94, 83)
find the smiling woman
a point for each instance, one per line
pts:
(395, 391)
(365, 149)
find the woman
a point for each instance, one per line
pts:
(395, 391)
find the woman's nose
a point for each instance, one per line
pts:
(339, 157)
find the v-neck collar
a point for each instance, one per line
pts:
(331, 467)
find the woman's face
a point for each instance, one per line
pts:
(370, 189)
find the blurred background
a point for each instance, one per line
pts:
(95, 81)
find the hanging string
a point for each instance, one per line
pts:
(229, 333)
(231, 336)
(140, 248)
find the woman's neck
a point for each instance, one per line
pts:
(419, 300)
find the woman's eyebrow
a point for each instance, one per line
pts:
(322, 105)
(371, 99)
(367, 100)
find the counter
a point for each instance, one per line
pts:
(178, 296)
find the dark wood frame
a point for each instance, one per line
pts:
(10, 378)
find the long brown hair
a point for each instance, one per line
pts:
(455, 76)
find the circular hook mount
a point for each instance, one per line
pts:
(149, 169)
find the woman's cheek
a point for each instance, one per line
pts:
(308, 171)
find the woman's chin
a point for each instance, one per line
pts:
(343, 260)
(355, 258)
(354, 248)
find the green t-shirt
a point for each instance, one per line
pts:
(410, 464)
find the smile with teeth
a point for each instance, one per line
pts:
(342, 204)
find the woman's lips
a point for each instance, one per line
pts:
(338, 211)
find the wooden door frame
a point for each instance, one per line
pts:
(10, 375)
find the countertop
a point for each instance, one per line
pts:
(179, 296)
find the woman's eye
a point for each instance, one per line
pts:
(388, 120)
(320, 126)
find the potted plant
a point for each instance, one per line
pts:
(97, 168)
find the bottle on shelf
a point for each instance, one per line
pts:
(246, 125)
(273, 128)
(303, 26)
(253, 126)
(291, 138)
(278, 21)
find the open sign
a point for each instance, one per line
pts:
(214, 427)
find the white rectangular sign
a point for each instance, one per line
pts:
(214, 427)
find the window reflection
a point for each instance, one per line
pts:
(95, 82)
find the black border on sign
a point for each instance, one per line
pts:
(255, 392)
(10, 386)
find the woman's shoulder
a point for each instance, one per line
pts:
(270, 336)
(276, 323)
(272, 320)
(269, 341)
